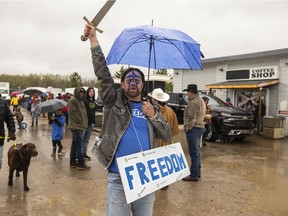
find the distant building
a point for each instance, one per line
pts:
(241, 77)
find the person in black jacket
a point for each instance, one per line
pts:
(262, 114)
(5, 116)
(90, 105)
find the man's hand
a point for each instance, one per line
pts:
(90, 32)
(11, 136)
(148, 109)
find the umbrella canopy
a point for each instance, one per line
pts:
(31, 90)
(16, 93)
(157, 48)
(50, 105)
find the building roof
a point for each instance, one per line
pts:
(265, 54)
(243, 84)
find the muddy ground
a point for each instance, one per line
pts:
(248, 178)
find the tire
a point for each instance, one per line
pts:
(23, 125)
(212, 136)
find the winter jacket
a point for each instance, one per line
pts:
(57, 127)
(5, 116)
(194, 113)
(117, 114)
(77, 112)
(90, 107)
(14, 101)
(170, 116)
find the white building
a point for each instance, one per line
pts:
(241, 77)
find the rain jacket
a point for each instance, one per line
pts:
(57, 127)
(117, 114)
(194, 113)
(14, 101)
(77, 112)
(90, 107)
(5, 116)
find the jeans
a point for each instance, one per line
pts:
(76, 151)
(116, 201)
(36, 116)
(86, 138)
(1, 155)
(193, 139)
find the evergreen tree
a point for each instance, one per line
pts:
(75, 80)
(119, 73)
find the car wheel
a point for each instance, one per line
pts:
(212, 135)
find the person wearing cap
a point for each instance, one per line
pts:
(130, 126)
(194, 115)
(78, 123)
(228, 102)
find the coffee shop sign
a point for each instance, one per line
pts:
(264, 73)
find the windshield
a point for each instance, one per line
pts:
(4, 91)
(213, 100)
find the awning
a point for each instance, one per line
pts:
(247, 84)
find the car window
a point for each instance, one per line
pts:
(185, 99)
(173, 99)
(213, 100)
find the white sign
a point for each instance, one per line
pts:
(269, 72)
(145, 172)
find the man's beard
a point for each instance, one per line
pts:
(133, 94)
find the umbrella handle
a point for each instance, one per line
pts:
(84, 37)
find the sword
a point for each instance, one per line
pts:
(99, 16)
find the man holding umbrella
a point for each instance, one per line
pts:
(130, 126)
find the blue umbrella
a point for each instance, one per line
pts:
(157, 48)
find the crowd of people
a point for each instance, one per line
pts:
(130, 125)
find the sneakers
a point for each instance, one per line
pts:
(83, 167)
(86, 157)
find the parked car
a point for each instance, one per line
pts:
(227, 122)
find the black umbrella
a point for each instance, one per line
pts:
(31, 90)
(50, 105)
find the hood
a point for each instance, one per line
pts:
(76, 92)
(87, 94)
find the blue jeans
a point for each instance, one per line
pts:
(77, 147)
(116, 201)
(34, 115)
(1, 155)
(193, 139)
(87, 135)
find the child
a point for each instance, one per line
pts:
(57, 120)
(19, 116)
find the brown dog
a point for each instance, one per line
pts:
(19, 159)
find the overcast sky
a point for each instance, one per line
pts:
(44, 36)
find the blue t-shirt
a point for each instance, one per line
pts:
(129, 143)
